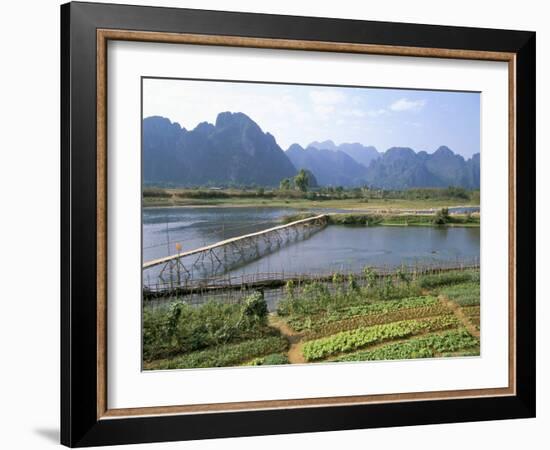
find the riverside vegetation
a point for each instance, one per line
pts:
(361, 317)
(289, 194)
(412, 207)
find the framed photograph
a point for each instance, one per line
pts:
(276, 224)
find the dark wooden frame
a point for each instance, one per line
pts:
(85, 29)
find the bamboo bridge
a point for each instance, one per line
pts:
(222, 256)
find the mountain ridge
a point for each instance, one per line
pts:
(236, 151)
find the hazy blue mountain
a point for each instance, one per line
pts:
(330, 167)
(401, 168)
(232, 151)
(235, 150)
(360, 153)
(312, 180)
(325, 145)
(160, 159)
(474, 169)
(450, 168)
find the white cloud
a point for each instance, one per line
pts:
(404, 104)
(326, 97)
(355, 112)
(377, 112)
(323, 110)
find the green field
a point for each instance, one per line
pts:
(396, 316)
(353, 199)
(396, 212)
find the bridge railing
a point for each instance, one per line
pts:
(234, 240)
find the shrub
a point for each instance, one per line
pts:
(354, 219)
(313, 298)
(254, 310)
(182, 328)
(370, 275)
(203, 194)
(442, 216)
(155, 193)
(352, 283)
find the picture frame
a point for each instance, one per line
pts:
(86, 29)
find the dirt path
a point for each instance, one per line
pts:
(295, 350)
(457, 310)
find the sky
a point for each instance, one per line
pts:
(384, 118)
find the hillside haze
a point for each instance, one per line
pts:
(236, 151)
(362, 154)
(402, 168)
(330, 167)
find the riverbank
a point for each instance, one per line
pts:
(390, 205)
(394, 220)
(322, 197)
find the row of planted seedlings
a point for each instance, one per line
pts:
(395, 316)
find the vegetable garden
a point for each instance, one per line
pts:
(396, 316)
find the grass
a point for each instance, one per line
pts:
(462, 220)
(385, 219)
(464, 294)
(448, 278)
(175, 198)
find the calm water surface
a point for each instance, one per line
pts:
(340, 248)
(334, 248)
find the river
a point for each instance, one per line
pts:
(335, 248)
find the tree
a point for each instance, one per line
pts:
(254, 311)
(301, 180)
(285, 184)
(442, 216)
